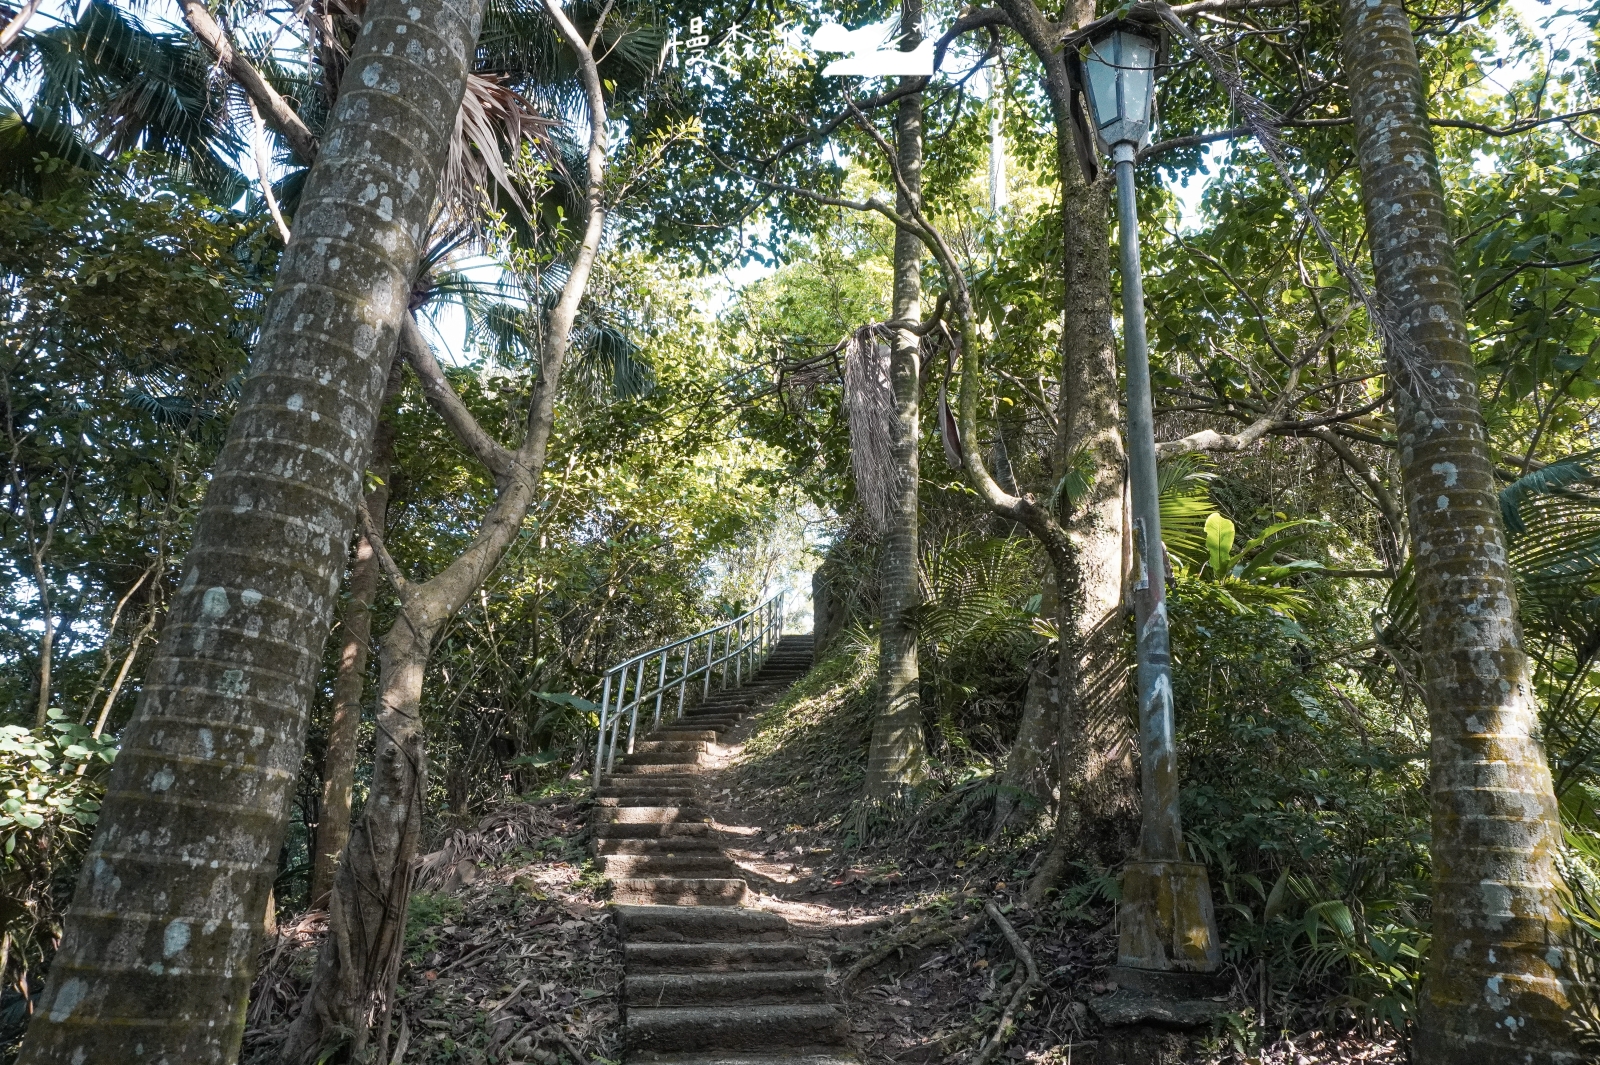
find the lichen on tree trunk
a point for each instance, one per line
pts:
(897, 755)
(158, 949)
(1096, 783)
(1498, 975)
(352, 991)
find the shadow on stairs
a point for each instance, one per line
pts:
(706, 982)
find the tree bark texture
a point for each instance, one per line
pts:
(339, 762)
(158, 951)
(1498, 975)
(1098, 789)
(897, 756)
(353, 988)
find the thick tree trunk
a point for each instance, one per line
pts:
(1029, 766)
(158, 951)
(897, 756)
(353, 988)
(1098, 789)
(1497, 985)
(339, 763)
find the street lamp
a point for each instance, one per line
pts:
(1167, 937)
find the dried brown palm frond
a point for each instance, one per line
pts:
(869, 406)
(495, 835)
(492, 125)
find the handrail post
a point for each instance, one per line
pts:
(711, 650)
(661, 689)
(616, 719)
(638, 697)
(722, 664)
(738, 656)
(600, 741)
(683, 676)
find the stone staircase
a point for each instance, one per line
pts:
(706, 981)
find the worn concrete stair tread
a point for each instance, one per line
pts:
(711, 957)
(726, 988)
(680, 891)
(634, 866)
(664, 846)
(651, 830)
(691, 924)
(648, 797)
(819, 1055)
(733, 1027)
(658, 814)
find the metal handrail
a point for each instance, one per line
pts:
(755, 632)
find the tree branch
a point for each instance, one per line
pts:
(276, 109)
(14, 28)
(443, 399)
(402, 587)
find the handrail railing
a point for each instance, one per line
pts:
(747, 640)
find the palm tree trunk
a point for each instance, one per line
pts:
(159, 944)
(1497, 984)
(352, 991)
(896, 757)
(339, 762)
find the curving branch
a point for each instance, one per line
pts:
(443, 399)
(274, 107)
(14, 28)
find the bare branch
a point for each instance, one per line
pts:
(402, 587)
(443, 399)
(276, 109)
(14, 28)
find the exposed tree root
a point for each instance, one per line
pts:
(914, 937)
(990, 1048)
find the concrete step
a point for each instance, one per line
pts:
(639, 757)
(654, 746)
(666, 847)
(791, 986)
(684, 732)
(734, 1027)
(693, 864)
(641, 815)
(699, 924)
(712, 957)
(634, 782)
(793, 1056)
(636, 769)
(678, 891)
(647, 797)
(652, 830)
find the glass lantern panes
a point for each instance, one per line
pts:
(1119, 78)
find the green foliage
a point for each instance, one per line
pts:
(1304, 794)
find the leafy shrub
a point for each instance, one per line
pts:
(52, 779)
(1305, 794)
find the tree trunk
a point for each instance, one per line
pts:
(897, 756)
(1497, 984)
(339, 763)
(353, 988)
(158, 951)
(1029, 763)
(1098, 790)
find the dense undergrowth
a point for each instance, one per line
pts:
(1302, 794)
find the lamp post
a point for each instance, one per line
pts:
(1165, 924)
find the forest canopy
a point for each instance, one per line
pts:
(363, 413)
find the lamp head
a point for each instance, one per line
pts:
(1119, 74)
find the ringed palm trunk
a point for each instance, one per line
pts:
(352, 991)
(1498, 976)
(897, 755)
(158, 949)
(339, 764)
